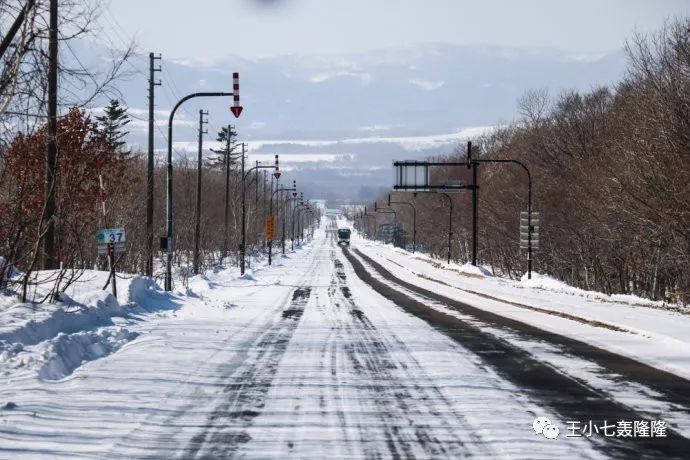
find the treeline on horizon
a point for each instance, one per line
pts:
(611, 179)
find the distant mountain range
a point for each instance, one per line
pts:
(338, 121)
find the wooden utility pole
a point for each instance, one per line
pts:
(150, 165)
(49, 249)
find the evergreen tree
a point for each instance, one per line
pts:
(218, 161)
(112, 124)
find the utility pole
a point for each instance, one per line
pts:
(244, 219)
(256, 190)
(273, 221)
(150, 165)
(49, 261)
(475, 204)
(197, 213)
(263, 205)
(228, 157)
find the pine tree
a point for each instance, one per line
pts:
(111, 125)
(218, 161)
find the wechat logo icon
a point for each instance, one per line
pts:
(542, 425)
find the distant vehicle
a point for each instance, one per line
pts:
(344, 236)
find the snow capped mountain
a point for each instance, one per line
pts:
(370, 107)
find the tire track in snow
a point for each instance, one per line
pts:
(226, 429)
(573, 399)
(168, 429)
(398, 408)
(673, 388)
(250, 386)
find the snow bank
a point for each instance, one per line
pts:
(141, 290)
(471, 270)
(55, 339)
(549, 283)
(67, 352)
(248, 275)
(29, 324)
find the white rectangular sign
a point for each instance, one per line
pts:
(111, 235)
(117, 247)
(411, 175)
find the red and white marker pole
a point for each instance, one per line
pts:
(236, 108)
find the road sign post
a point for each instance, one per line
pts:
(529, 235)
(413, 176)
(110, 241)
(270, 227)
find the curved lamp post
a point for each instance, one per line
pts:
(243, 249)
(169, 182)
(414, 220)
(294, 221)
(387, 211)
(279, 189)
(368, 216)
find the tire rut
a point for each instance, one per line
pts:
(570, 398)
(227, 427)
(397, 407)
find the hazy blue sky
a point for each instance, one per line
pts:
(212, 29)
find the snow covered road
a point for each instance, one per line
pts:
(306, 360)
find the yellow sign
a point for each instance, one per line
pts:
(270, 228)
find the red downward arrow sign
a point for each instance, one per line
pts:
(236, 110)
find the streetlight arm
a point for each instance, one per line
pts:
(519, 163)
(414, 221)
(283, 190)
(257, 167)
(403, 202)
(182, 101)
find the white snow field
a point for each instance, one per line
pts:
(302, 359)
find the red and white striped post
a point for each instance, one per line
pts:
(236, 108)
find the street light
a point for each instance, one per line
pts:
(414, 176)
(388, 211)
(300, 226)
(475, 162)
(294, 191)
(294, 221)
(414, 220)
(169, 179)
(369, 216)
(285, 213)
(243, 249)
